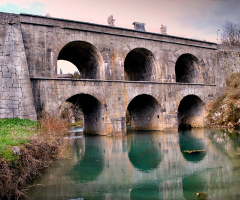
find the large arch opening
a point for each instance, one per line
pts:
(84, 56)
(191, 112)
(91, 109)
(144, 111)
(139, 65)
(187, 69)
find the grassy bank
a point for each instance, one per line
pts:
(26, 148)
(14, 132)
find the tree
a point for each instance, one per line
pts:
(76, 75)
(230, 33)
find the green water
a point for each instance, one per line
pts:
(145, 165)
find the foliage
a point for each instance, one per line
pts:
(230, 33)
(52, 128)
(76, 75)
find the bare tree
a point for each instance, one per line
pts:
(231, 33)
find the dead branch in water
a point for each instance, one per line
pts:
(194, 151)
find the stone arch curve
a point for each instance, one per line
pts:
(191, 112)
(145, 113)
(187, 69)
(140, 65)
(85, 56)
(92, 112)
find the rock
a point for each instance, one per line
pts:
(17, 150)
(230, 124)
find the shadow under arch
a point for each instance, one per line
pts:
(140, 65)
(144, 113)
(189, 141)
(91, 164)
(144, 152)
(91, 108)
(191, 112)
(84, 56)
(187, 69)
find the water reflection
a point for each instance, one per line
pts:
(147, 165)
(193, 140)
(146, 191)
(144, 152)
(192, 184)
(91, 164)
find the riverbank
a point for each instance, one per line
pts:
(225, 111)
(26, 148)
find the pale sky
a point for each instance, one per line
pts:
(198, 19)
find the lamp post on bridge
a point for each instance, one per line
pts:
(217, 35)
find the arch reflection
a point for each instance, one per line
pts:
(144, 152)
(91, 165)
(189, 142)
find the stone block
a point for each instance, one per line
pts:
(7, 75)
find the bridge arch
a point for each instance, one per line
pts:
(187, 69)
(84, 56)
(140, 65)
(191, 112)
(92, 112)
(145, 113)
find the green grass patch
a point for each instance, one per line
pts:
(14, 132)
(78, 123)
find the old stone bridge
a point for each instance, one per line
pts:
(163, 81)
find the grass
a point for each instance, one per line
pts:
(14, 132)
(78, 123)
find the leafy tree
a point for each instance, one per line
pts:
(76, 75)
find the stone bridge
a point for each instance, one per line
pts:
(163, 81)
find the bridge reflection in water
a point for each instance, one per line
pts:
(145, 165)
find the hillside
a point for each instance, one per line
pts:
(225, 111)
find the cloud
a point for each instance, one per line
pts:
(33, 8)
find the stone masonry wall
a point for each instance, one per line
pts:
(228, 63)
(16, 99)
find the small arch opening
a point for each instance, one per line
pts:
(139, 65)
(187, 69)
(84, 56)
(191, 112)
(144, 112)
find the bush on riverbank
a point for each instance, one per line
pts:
(25, 149)
(225, 111)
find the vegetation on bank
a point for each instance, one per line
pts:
(26, 148)
(225, 111)
(14, 132)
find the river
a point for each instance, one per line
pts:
(145, 165)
